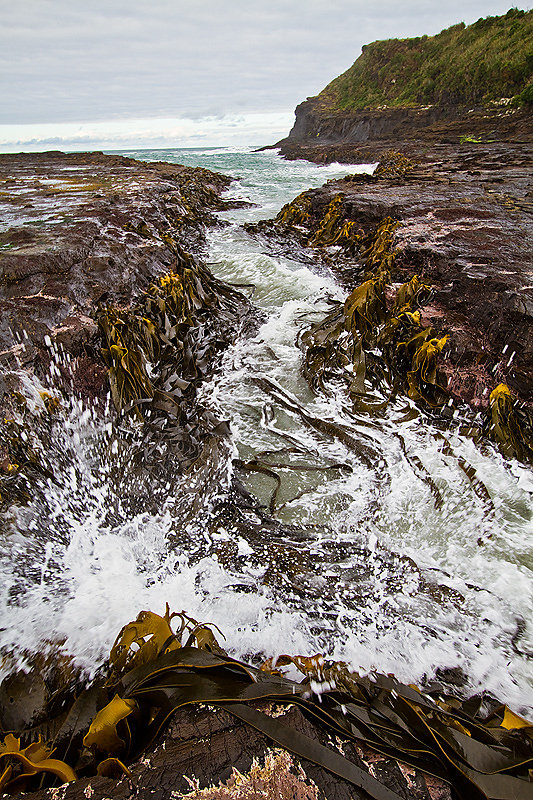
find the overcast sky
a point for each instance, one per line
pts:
(153, 72)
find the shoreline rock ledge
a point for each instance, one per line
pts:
(81, 231)
(465, 228)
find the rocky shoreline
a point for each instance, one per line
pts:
(82, 231)
(86, 233)
(465, 228)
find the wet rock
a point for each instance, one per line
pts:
(465, 214)
(207, 747)
(82, 230)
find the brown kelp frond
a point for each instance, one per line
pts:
(297, 212)
(377, 253)
(422, 377)
(394, 165)
(510, 425)
(19, 765)
(411, 295)
(386, 346)
(142, 640)
(264, 466)
(158, 351)
(335, 229)
(150, 636)
(365, 308)
(482, 753)
(103, 735)
(330, 224)
(124, 357)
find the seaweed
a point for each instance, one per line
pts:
(394, 165)
(510, 425)
(297, 212)
(384, 346)
(158, 351)
(23, 464)
(375, 341)
(482, 754)
(335, 229)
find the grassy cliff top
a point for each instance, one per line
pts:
(462, 65)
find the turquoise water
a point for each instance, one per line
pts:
(371, 572)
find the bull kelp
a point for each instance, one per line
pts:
(479, 745)
(365, 340)
(159, 351)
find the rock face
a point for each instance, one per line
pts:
(465, 80)
(465, 228)
(346, 136)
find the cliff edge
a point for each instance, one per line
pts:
(466, 80)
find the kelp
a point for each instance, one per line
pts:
(422, 377)
(510, 425)
(330, 228)
(394, 165)
(368, 340)
(297, 212)
(335, 229)
(420, 470)
(367, 454)
(471, 473)
(371, 343)
(377, 253)
(365, 308)
(158, 351)
(268, 468)
(18, 765)
(482, 754)
(23, 465)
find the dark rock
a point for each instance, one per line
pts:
(82, 230)
(471, 242)
(361, 136)
(206, 747)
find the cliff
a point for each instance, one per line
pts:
(466, 80)
(461, 66)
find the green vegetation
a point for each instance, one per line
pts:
(463, 65)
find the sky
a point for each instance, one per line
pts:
(112, 74)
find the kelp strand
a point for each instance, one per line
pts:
(154, 671)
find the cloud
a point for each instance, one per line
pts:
(68, 60)
(222, 130)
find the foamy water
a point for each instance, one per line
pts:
(376, 574)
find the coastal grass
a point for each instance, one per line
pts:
(463, 65)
